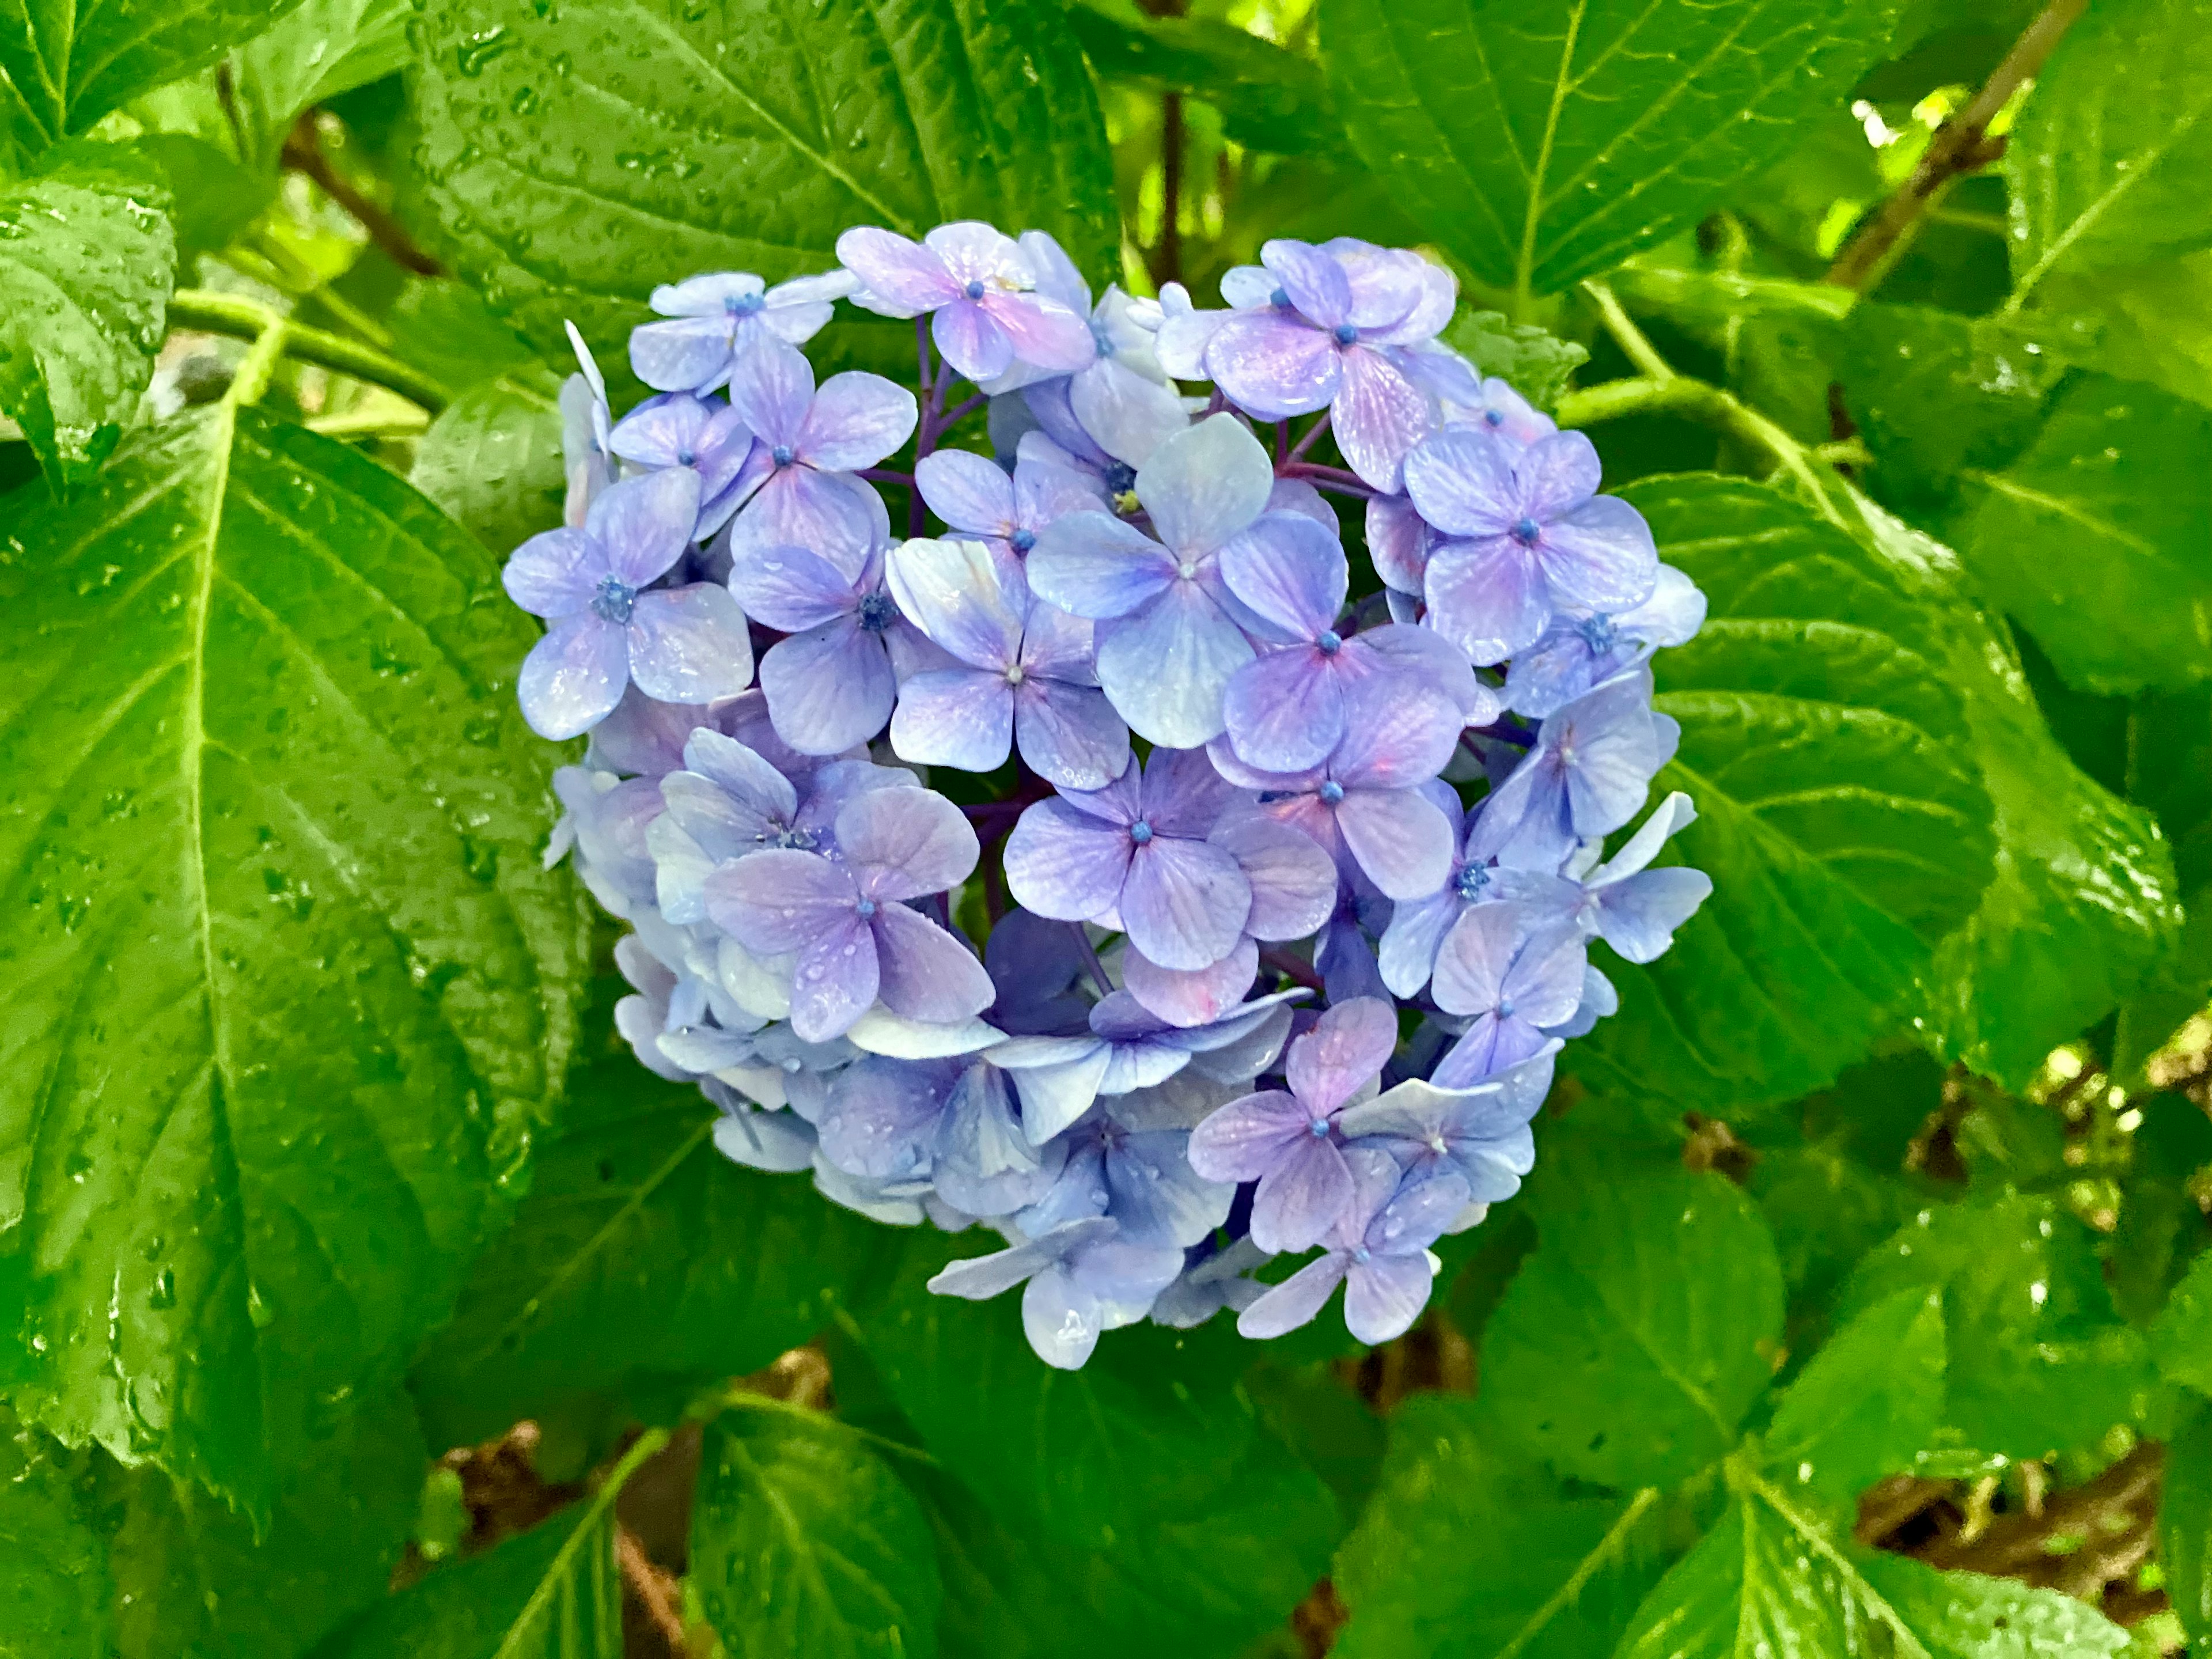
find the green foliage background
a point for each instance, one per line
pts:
(318, 1156)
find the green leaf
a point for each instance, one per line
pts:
(1535, 363)
(1269, 98)
(1866, 1402)
(2037, 1360)
(1769, 1579)
(636, 1223)
(62, 66)
(191, 1579)
(1149, 1465)
(86, 261)
(2169, 743)
(2185, 1521)
(2150, 322)
(1630, 1345)
(55, 1593)
(2181, 1336)
(1565, 1588)
(287, 985)
(316, 51)
(803, 1542)
(445, 329)
(633, 141)
(2108, 159)
(1541, 149)
(2097, 538)
(492, 459)
(1840, 810)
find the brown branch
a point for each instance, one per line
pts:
(1961, 145)
(653, 1589)
(303, 155)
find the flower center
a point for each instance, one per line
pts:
(1015, 675)
(1119, 477)
(1598, 633)
(1022, 540)
(1494, 416)
(1470, 882)
(864, 909)
(1332, 792)
(1280, 299)
(1141, 832)
(1330, 641)
(1361, 1256)
(785, 835)
(1318, 1129)
(687, 457)
(1527, 530)
(1187, 569)
(877, 612)
(783, 454)
(1345, 333)
(743, 305)
(976, 289)
(1505, 1007)
(614, 600)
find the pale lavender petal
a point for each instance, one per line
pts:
(1120, 803)
(1184, 903)
(790, 589)
(1092, 564)
(973, 250)
(573, 679)
(1462, 481)
(1247, 1137)
(965, 596)
(1127, 416)
(1344, 1051)
(1272, 364)
(1399, 732)
(1157, 1197)
(1377, 416)
(690, 353)
(1061, 1316)
(1545, 983)
(1639, 917)
(772, 389)
(1553, 671)
(1065, 863)
(1055, 273)
(1303, 1197)
(1046, 489)
(916, 842)
(1291, 571)
(704, 297)
(1397, 541)
(1472, 962)
(899, 278)
(1043, 331)
(1311, 279)
(1183, 794)
(1488, 597)
(776, 900)
(1599, 556)
(880, 1114)
(1385, 1294)
(1400, 838)
(1556, 472)
(644, 525)
(662, 433)
(969, 338)
(967, 491)
(856, 420)
(835, 981)
(837, 516)
(1284, 710)
(1297, 495)
(1397, 648)
(1203, 485)
(1069, 735)
(959, 717)
(927, 973)
(1408, 949)
(1188, 997)
(1672, 616)
(828, 688)
(1293, 881)
(1293, 1302)
(554, 574)
(690, 644)
(1672, 814)
(1166, 668)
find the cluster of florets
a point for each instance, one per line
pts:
(1223, 794)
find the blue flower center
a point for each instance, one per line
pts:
(1332, 792)
(783, 454)
(743, 305)
(1280, 299)
(1471, 881)
(1022, 540)
(614, 600)
(877, 612)
(785, 835)
(687, 457)
(1318, 1129)
(975, 289)
(864, 909)
(1141, 832)
(1598, 633)
(1330, 641)
(1505, 1007)
(1119, 475)
(1527, 530)
(1494, 416)
(1361, 1255)
(1345, 333)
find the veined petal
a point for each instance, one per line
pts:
(835, 981)
(1066, 864)
(899, 278)
(1303, 1197)
(1068, 734)
(1291, 571)
(856, 420)
(965, 596)
(1127, 416)
(1462, 481)
(1091, 564)
(644, 525)
(959, 717)
(1167, 667)
(1599, 556)
(967, 491)
(969, 338)
(690, 644)
(1204, 484)
(790, 589)
(1184, 903)
(1401, 839)
(1293, 881)
(554, 574)
(1248, 1137)
(1557, 473)
(1311, 279)
(828, 688)
(1385, 1294)
(1344, 1052)
(1272, 364)
(772, 389)
(1293, 1302)
(1378, 417)
(1193, 996)
(573, 679)
(1283, 711)
(776, 900)
(916, 841)
(927, 973)
(1488, 597)
(1043, 331)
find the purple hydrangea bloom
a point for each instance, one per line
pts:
(1465, 399)
(1125, 1159)
(1022, 673)
(610, 626)
(1083, 1278)
(682, 430)
(980, 498)
(1287, 1142)
(1588, 776)
(1512, 980)
(976, 286)
(796, 487)
(1135, 857)
(1579, 653)
(1212, 1278)
(951, 1120)
(1479, 1134)
(1325, 341)
(714, 320)
(1529, 535)
(1365, 800)
(1169, 635)
(1379, 1251)
(855, 941)
(1633, 908)
(1036, 962)
(1343, 955)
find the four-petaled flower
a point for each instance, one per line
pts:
(796, 486)
(977, 287)
(714, 320)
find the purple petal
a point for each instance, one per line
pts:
(1043, 331)
(1183, 794)
(1398, 541)
(1639, 917)
(1473, 961)
(1399, 732)
(837, 516)
(1303, 1197)
(1545, 983)
(1061, 1316)
(573, 679)
(1184, 903)
(965, 596)
(1045, 490)
(1408, 950)
(1188, 997)
(1274, 366)
(879, 1116)
(1055, 274)
(690, 644)
(926, 972)
(1203, 485)
(1291, 571)
(1120, 803)
(776, 900)
(1064, 863)
(1127, 416)
(967, 491)
(1462, 481)
(1294, 1301)
(1167, 667)
(1488, 597)
(705, 296)
(1312, 281)
(973, 250)
(1283, 711)
(959, 717)
(1345, 1050)
(644, 525)
(901, 279)
(1395, 647)
(1599, 556)
(771, 389)
(661, 434)
(1377, 416)
(1385, 1294)
(835, 980)
(690, 353)
(790, 589)
(1401, 839)
(1556, 473)
(915, 841)
(969, 338)
(1069, 735)
(1248, 1137)
(554, 574)
(1092, 564)
(856, 420)
(828, 688)
(1293, 881)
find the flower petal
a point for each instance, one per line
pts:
(856, 420)
(777, 900)
(1399, 730)
(1066, 864)
(1556, 473)
(969, 338)
(690, 644)
(771, 389)
(1248, 1137)
(1069, 735)
(1599, 556)
(1462, 481)
(900, 278)
(688, 354)
(1203, 485)
(1303, 1197)
(1294, 1302)
(1283, 711)
(1487, 596)
(1385, 1294)
(1127, 416)
(915, 841)
(573, 679)
(1167, 668)
(1043, 333)
(1293, 881)
(1343, 1053)
(1377, 416)
(790, 589)
(1402, 840)
(644, 525)
(927, 973)
(828, 688)
(967, 491)
(1474, 958)
(1311, 279)
(1290, 570)
(959, 717)
(554, 574)
(835, 981)
(1184, 903)
(1274, 366)
(1092, 564)
(1188, 997)
(965, 596)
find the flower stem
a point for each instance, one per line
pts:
(1306, 438)
(240, 319)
